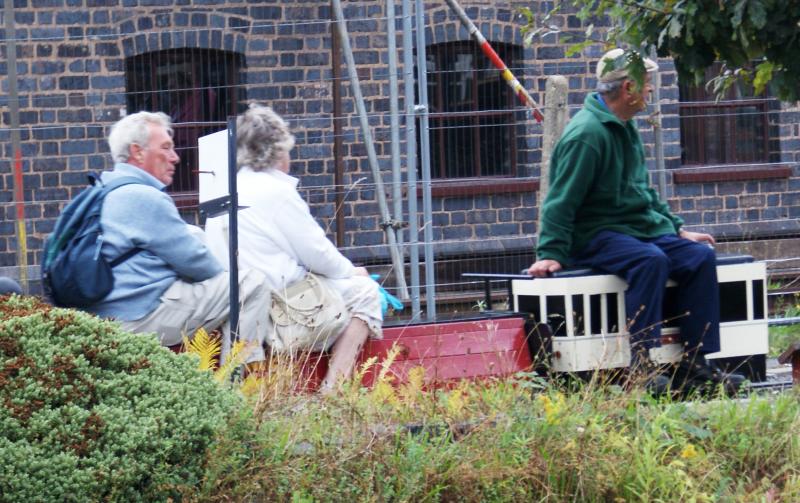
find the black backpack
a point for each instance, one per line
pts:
(74, 272)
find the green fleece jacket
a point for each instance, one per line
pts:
(599, 181)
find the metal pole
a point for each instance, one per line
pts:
(233, 244)
(411, 156)
(658, 133)
(387, 224)
(338, 162)
(422, 108)
(16, 151)
(397, 182)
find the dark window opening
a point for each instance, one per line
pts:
(556, 314)
(198, 89)
(471, 120)
(733, 301)
(733, 130)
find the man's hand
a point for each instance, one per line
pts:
(697, 237)
(542, 268)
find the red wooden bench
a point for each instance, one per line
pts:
(448, 351)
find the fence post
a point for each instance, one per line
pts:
(425, 162)
(411, 156)
(233, 246)
(556, 115)
(394, 121)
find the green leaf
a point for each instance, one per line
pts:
(577, 48)
(757, 14)
(675, 27)
(696, 432)
(738, 13)
(764, 72)
(529, 16)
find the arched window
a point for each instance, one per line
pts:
(472, 126)
(197, 88)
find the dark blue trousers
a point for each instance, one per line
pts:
(646, 264)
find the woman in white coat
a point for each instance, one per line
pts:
(279, 236)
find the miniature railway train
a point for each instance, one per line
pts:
(571, 322)
(577, 317)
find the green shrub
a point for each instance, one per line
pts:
(90, 413)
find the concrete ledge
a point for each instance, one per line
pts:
(480, 186)
(706, 174)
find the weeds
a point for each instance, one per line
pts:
(781, 337)
(523, 439)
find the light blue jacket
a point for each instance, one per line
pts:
(142, 215)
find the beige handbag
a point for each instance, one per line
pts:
(308, 315)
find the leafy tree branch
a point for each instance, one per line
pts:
(757, 41)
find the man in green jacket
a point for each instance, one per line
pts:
(601, 212)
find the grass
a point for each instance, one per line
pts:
(781, 337)
(523, 439)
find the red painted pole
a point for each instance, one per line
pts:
(498, 63)
(19, 204)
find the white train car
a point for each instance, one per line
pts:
(578, 317)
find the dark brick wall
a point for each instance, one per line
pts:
(71, 56)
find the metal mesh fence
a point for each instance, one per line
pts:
(728, 166)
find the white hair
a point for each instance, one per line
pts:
(609, 88)
(262, 137)
(133, 130)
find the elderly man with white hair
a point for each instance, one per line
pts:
(600, 212)
(172, 284)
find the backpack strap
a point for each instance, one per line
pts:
(125, 256)
(108, 187)
(119, 182)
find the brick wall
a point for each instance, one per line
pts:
(71, 68)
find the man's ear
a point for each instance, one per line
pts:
(629, 86)
(135, 153)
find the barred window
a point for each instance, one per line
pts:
(197, 88)
(472, 126)
(733, 130)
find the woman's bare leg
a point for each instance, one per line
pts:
(343, 354)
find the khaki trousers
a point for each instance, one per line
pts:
(185, 307)
(361, 299)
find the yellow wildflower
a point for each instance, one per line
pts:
(689, 452)
(552, 408)
(456, 403)
(383, 392)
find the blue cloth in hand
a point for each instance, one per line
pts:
(387, 299)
